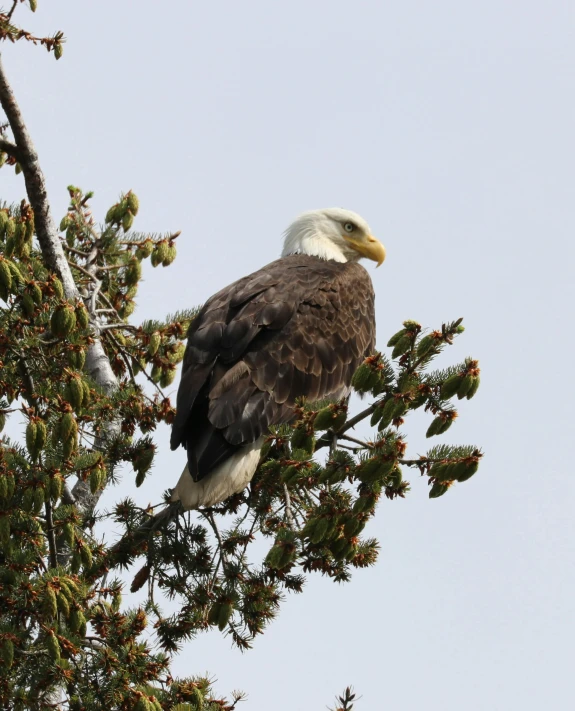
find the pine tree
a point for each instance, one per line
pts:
(88, 384)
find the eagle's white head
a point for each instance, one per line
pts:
(332, 233)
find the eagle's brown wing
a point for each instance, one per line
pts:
(299, 327)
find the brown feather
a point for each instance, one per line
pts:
(299, 327)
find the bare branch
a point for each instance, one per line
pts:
(67, 496)
(50, 533)
(50, 243)
(289, 515)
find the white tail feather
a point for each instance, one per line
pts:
(229, 478)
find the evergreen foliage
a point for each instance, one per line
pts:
(65, 635)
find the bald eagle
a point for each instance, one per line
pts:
(298, 327)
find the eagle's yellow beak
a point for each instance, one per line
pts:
(368, 247)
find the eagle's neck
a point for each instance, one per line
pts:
(313, 243)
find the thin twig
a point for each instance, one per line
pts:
(110, 267)
(358, 418)
(9, 15)
(127, 357)
(364, 445)
(135, 243)
(210, 517)
(110, 305)
(289, 516)
(108, 326)
(124, 354)
(418, 462)
(79, 252)
(10, 148)
(326, 440)
(84, 271)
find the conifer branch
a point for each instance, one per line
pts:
(97, 362)
(345, 701)
(31, 398)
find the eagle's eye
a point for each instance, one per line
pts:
(349, 227)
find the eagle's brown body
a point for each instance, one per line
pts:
(298, 327)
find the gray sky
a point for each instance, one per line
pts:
(449, 126)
